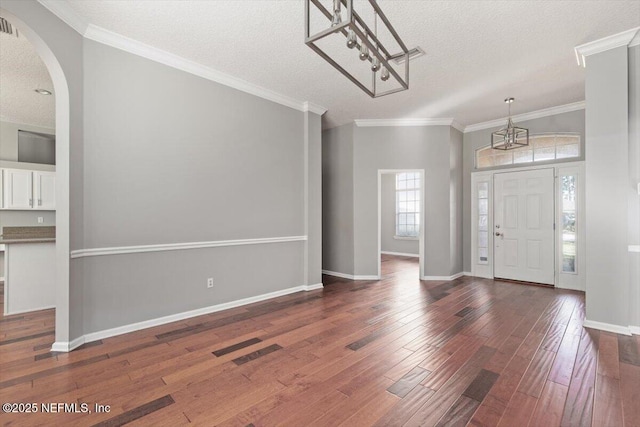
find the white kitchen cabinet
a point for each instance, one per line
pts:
(27, 189)
(44, 185)
(18, 189)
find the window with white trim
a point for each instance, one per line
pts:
(407, 205)
(541, 148)
(569, 223)
(483, 222)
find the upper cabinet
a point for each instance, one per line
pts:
(26, 189)
(44, 185)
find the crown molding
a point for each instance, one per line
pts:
(457, 125)
(610, 42)
(552, 111)
(635, 41)
(135, 47)
(404, 122)
(64, 11)
(313, 108)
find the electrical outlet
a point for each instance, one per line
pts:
(40, 220)
(210, 282)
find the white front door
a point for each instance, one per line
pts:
(524, 226)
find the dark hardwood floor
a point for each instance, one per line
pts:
(386, 353)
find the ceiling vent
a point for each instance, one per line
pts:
(414, 53)
(7, 28)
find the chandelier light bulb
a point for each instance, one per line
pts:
(364, 52)
(384, 75)
(337, 19)
(351, 39)
(375, 64)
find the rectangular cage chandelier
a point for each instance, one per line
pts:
(339, 22)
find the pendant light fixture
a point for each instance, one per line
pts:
(511, 136)
(342, 20)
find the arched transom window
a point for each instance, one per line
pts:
(541, 148)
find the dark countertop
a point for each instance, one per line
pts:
(12, 241)
(12, 235)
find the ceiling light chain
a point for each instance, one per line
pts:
(511, 136)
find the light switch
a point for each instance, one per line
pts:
(40, 220)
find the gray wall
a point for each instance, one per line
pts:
(412, 147)
(313, 214)
(337, 199)
(634, 179)
(455, 201)
(388, 220)
(571, 122)
(195, 161)
(352, 157)
(607, 178)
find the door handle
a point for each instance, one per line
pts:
(498, 233)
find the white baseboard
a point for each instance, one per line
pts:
(635, 330)
(608, 327)
(336, 274)
(107, 333)
(467, 273)
(349, 276)
(400, 254)
(66, 346)
(448, 278)
(571, 288)
(314, 287)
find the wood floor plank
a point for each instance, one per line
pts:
(398, 351)
(519, 410)
(534, 379)
(550, 406)
(630, 391)
(403, 410)
(404, 385)
(138, 412)
(235, 347)
(608, 358)
(481, 385)
(628, 350)
(607, 409)
(438, 405)
(562, 367)
(578, 410)
(460, 413)
(256, 354)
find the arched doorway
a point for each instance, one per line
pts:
(62, 123)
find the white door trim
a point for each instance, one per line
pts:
(575, 281)
(422, 216)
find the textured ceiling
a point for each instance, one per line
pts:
(477, 52)
(21, 72)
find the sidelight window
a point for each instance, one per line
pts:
(569, 224)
